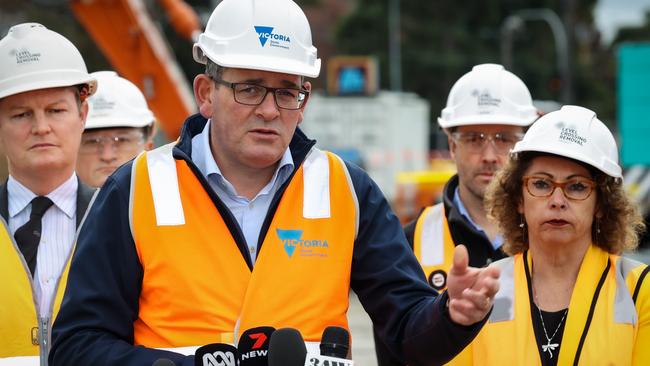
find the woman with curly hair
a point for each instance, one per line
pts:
(566, 295)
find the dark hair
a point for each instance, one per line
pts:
(213, 70)
(619, 226)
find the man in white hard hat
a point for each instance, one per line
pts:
(487, 111)
(43, 87)
(242, 223)
(119, 126)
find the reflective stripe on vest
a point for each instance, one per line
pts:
(207, 293)
(19, 332)
(610, 334)
(433, 245)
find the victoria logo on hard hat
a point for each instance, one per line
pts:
(569, 134)
(485, 99)
(265, 34)
(24, 56)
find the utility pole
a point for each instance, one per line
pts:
(516, 21)
(394, 45)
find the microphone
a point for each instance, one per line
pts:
(335, 342)
(334, 347)
(254, 346)
(216, 354)
(287, 348)
(164, 362)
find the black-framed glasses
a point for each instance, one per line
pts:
(475, 142)
(254, 94)
(578, 188)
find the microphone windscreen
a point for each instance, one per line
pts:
(216, 354)
(287, 348)
(164, 362)
(335, 342)
(254, 346)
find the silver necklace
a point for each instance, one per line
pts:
(550, 347)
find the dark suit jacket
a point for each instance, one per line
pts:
(84, 195)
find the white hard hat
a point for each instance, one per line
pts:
(270, 35)
(574, 132)
(117, 103)
(33, 57)
(489, 94)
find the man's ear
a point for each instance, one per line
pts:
(307, 86)
(83, 113)
(203, 87)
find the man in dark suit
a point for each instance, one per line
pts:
(43, 87)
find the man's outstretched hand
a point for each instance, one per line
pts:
(471, 290)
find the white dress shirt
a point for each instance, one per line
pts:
(57, 234)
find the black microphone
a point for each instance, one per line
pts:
(254, 346)
(335, 342)
(164, 362)
(287, 348)
(216, 354)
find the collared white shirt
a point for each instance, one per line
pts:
(57, 234)
(250, 214)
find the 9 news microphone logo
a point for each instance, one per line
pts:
(219, 358)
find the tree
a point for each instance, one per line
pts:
(442, 40)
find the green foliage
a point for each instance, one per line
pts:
(442, 40)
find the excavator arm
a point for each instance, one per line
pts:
(132, 43)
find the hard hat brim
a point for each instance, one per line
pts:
(487, 120)
(46, 80)
(257, 62)
(115, 123)
(615, 170)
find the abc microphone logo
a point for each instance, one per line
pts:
(219, 358)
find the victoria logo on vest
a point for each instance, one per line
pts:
(292, 240)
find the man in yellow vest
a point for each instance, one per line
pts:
(43, 87)
(487, 111)
(119, 126)
(243, 223)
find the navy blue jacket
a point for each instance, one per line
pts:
(95, 323)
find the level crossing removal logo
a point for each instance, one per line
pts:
(292, 240)
(276, 39)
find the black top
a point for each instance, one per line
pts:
(552, 319)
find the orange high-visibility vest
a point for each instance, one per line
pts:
(197, 287)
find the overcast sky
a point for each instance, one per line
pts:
(612, 14)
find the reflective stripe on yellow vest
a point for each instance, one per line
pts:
(197, 287)
(610, 336)
(19, 332)
(433, 245)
